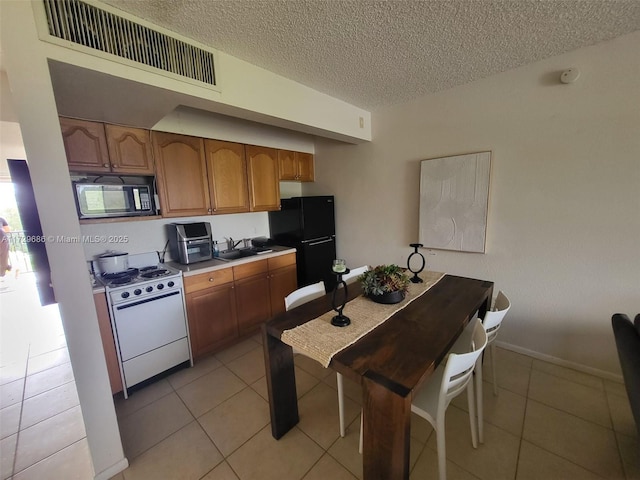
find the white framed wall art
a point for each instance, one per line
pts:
(454, 196)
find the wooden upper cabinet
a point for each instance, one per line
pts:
(264, 187)
(287, 165)
(304, 164)
(227, 173)
(296, 166)
(86, 145)
(181, 174)
(129, 150)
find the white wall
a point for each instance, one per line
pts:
(564, 211)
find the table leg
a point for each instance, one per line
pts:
(386, 431)
(281, 384)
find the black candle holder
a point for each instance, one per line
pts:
(340, 320)
(416, 278)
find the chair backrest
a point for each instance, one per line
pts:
(627, 337)
(304, 295)
(353, 275)
(493, 319)
(459, 368)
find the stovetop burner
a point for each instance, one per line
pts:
(158, 272)
(135, 275)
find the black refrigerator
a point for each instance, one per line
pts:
(308, 224)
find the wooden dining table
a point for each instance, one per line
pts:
(391, 362)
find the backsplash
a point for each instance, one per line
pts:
(151, 235)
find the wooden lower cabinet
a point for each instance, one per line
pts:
(212, 318)
(108, 344)
(229, 304)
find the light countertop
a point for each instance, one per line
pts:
(215, 264)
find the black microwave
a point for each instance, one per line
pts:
(99, 200)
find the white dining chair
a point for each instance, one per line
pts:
(353, 275)
(447, 382)
(304, 295)
(491, 323)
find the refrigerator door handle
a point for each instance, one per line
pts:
(322, 241)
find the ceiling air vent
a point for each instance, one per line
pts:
(86, 25)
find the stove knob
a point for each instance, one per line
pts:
(149, 289)
(170, 284)
(124, 294)
(137, 291)
(160, 286)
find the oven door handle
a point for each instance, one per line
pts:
(147, 300)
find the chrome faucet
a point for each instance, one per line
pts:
(230, 243)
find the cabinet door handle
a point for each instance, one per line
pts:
(211, 279)
(105, 165)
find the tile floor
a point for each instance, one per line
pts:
(212, 422)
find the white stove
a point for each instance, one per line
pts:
(148, 317)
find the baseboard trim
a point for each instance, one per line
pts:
(112, 470)
(560, 362)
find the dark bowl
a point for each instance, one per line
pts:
(388, 297)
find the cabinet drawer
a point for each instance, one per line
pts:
(282, 261)
(250, 269)
(205, 280)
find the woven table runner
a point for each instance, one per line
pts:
(320, 340)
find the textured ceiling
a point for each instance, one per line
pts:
(375, 53)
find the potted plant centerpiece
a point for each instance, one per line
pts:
(385, 283)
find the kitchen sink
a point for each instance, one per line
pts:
(236, 253)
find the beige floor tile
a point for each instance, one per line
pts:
(70, 463)
(11, 393)
(630, 453)
(210, 390)
(152, 424)
(187, 454)
(7, 455)
(421, 429)
(265, 458)
(512, 375)
(10, 420)
(505, 410)
(304, 381)
(319, 418)
(250, 366)
(591, 446)
(312, 366)
(236, 420)
(535, 463)
(48, 404)
(585, 402)
(257, 338)
(48, 437)
(47, 344)
(345, 449)
(222, 472)
(119, 476)
(426, 468)
(569, 374)
(200, 367)
(48, 379)
(141, 398)
(509, 356)
(328, 468)
(12, 371)
(47, 360)
(260, 387)
(352, 389)
(621, 415)
(496, 459)
(237, 350)
(616, 388)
